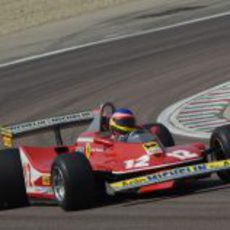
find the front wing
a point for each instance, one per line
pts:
(168, 175)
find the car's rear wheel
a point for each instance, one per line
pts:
(220, 144)
(162, 132)
(73, 182)
(12, 184)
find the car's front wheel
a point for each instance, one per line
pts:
(73, 181)
(220, 144)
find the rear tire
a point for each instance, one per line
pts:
(162, 132)
(12, 190)
(220, 143)
(74, 176)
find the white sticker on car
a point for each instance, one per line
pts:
(143, 161)
(182, 154)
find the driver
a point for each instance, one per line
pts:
(121, 123)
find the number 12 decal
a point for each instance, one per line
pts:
(137, 163)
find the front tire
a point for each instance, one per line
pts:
(220, 143)
(73, 182)
(12, 184)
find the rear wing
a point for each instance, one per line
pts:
(8, 133)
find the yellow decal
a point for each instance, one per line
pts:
(7, 138)
(218, 164)
(129, 182)
(46, 181)
(88, 151)
(151, 147)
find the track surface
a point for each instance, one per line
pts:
(147, 74)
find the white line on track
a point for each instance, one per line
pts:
(103, 41)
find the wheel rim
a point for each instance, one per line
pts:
(58, 184)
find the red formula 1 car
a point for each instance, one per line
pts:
(74, 176)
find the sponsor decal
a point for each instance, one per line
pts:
(85, 139)
(46, 180)
(152, 147)
(44, 123)
(43, 190)
(176, 173)
(218, 164)
(7, 137)
(88, 151)
(98, 150)
(130, 182)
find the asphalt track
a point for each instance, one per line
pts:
(147, 74)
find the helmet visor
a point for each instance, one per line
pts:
(127, 122)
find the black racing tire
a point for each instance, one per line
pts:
(162, 132)
(77, 180)
(12, 184)
(220, 144)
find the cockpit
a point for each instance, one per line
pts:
(100, 125)
(140, 136)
